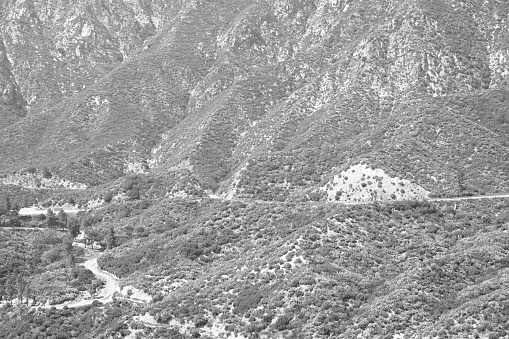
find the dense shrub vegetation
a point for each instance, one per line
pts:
(201, 142)
(319, 268)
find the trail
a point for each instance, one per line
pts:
(106, 293)
(474, 197)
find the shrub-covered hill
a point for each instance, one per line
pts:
(275, 270)
(37, 267)
(262, 99)
(322, 270)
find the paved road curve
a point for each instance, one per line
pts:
(111, 282)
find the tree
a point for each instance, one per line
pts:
(46, 173)
(67, 242)
(79, 252)
(70, 260)
(109, 196)
(86, 221)
(30, 294)
(69, 255)
(110, 238)
(6, 206)
(92, 236)
(70, 201)
(73, 226)
(133, 194)
(91, 290)
(39, 217)
(13, 210)
(9, 289)
(20, 287)
(51, 219)
(62, 218)
(51, 255)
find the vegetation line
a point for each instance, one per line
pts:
(474, 197)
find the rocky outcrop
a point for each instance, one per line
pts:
(12, 103)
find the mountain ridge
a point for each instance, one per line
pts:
(275, 80)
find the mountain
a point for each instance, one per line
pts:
(261, 99)
(257, 168)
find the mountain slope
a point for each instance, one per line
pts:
(260, 99)
(343, 106)
(258, 168)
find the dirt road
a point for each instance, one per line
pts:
(477, 197)
(111, 286)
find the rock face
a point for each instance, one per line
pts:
(362, 184)
(12, 103)
(60, 47)
(261, 99)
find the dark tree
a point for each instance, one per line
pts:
(109, 196)
(110, 238)
(51, 219)
(70, 260)
(10, 290)
(20, 287)
(86, 222)
(62, 218)
(91, 290)
(92, 236)
(67, 242)
(73, 226)
(46, 173)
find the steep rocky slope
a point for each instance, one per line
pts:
(259, 98)
(12, 104)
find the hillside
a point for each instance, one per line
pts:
(294, 270)
(255, 168)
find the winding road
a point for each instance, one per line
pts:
(105, 295)
(111, 282)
